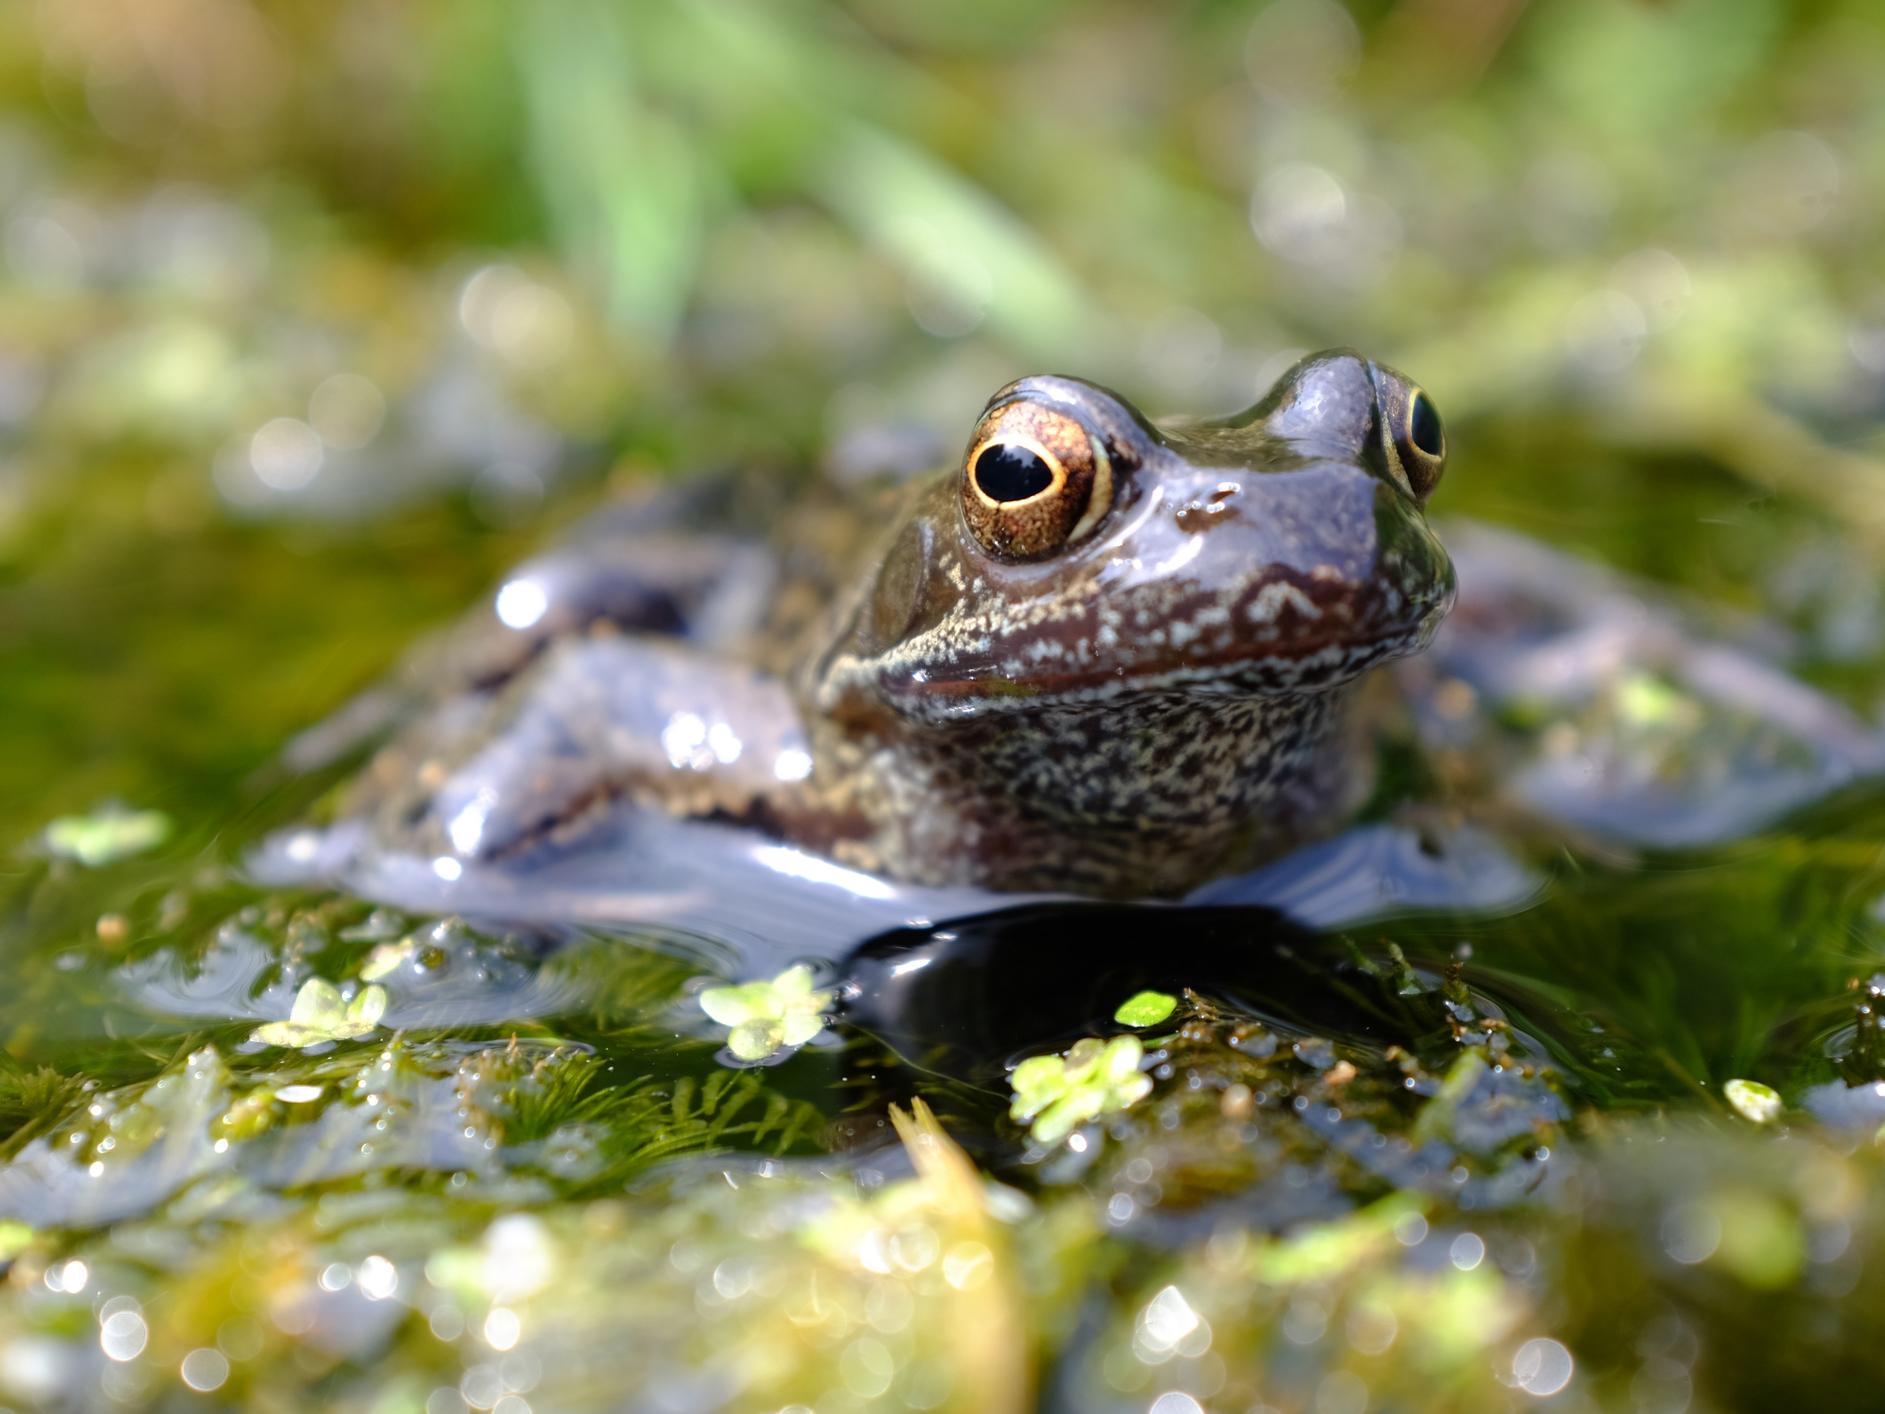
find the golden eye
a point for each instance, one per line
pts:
(1034, 480)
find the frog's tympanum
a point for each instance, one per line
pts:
(1094, 655)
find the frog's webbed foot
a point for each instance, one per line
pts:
(1418, 863)
(1610, 710)
(621, 572)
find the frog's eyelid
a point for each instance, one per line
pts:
(1099, 495)
(1391, 447)
(1105, 416)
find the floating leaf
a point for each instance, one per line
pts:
(386, 959)
(320, 1013)
(1146, 1009)
(107, 835)
(769, 1016)
(1055, 1095)
(1753, 1101)
(15, 1237)
(366, 1009)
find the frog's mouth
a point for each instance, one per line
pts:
(1298, 664)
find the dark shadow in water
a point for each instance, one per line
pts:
(964, 999)
(945, 1012)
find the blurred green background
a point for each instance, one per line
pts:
(314, 314)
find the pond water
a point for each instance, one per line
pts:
(266, 1140)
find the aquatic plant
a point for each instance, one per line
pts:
(770, 1016)
(1055, 1095)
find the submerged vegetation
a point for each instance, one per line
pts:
(313, 317)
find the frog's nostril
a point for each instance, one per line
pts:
(1212, 509)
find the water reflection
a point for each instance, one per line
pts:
(1285, 1079)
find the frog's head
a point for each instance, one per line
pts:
(1079, 553)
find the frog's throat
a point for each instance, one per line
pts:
(1150, 797)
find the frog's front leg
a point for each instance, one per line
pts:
(616, 779)
(594, 723)
(709, 590)
(619, 573)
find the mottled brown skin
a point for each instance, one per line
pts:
(1160, 700)
(1105, 657)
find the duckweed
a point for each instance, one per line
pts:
(1055, 1095)
(770, 1017)
(321, 1013)
(1144, 1009)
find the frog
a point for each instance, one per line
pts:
(1094, 656)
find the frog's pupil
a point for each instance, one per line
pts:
(1006, 472)
(1425, 426)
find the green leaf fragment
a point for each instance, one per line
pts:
(1055, 1095)
(769, 1016)
(1324, 1251)
(1753, 1101)
(15, 1238)
(1145, 1009)
(756, 1040)
(320, 1013)
(366, 1009)
(1649, 701)
(107, 835)
(386, 959)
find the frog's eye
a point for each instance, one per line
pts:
(1420, 442)
(1423, 427)
(1034, 480)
